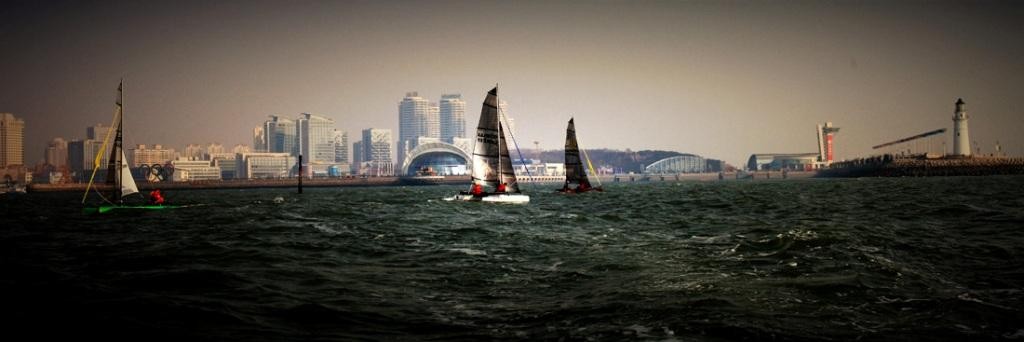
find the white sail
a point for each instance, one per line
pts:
(128, 186)
(485, 153)
(508, 175)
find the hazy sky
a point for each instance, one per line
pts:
(719, 79)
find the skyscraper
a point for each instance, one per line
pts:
(340, 146)
(281, 135)
(57, 153)
(316, 140)
(97, 132)
(357, 157)
(12, 140)
(259, 139)
(413, 121)
(192, 152)
(377, 151)
(453, 117)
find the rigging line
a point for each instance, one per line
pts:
(521, 160)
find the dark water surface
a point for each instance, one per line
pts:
(870, 259)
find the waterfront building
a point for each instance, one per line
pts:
(195, 170)
(12, 140)
(453, 117)
(259, 139)
(783, 161)
(377, 152)
(435, 157)
(281, 134)
(961, 138)
(316, 141)
(227, 163)
(192, 152)
(81, 155)
(413, 118)
(57, 153)
(143, 155)
(264, 165)
(340, 140)
(357, 156)
(96, 132)
(211, 149)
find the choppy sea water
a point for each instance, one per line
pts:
(868, 259)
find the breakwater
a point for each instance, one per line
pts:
(264, 183)
(922, 166)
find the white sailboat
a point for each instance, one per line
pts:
(494, 179)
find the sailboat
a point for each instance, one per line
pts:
(119, 176)
(494, 179)
(574, 171)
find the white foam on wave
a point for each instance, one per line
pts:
(468, 251)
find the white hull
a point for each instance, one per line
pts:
(492, 198)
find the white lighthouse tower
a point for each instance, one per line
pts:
(961, 140)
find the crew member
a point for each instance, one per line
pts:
(155, 197)
(477, 190)
(501, 187)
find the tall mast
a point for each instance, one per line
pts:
(501, 135)
(118, 143)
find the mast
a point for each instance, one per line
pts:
(114, 162)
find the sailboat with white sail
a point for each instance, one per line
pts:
(575, 173)
(119, 176)
(494, 179)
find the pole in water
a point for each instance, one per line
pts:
(300, 173)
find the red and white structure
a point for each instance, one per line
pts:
(826, 136)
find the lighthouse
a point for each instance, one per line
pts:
(961, 140)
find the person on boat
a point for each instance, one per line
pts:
(155, 197)
(477, 190)
(565, 187)
(501, 188)
(584, 186)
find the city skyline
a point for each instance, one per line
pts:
(722, 80)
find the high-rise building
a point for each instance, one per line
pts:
(357, 156)
(259, 139)
(97, 132)
(316, 140)
(453, 117)
(377, 152)
(142, 155)
(211, 149)
(413, 121)
(192, 152)
(12, 140)
(281, 135)
(340, 146)
(57, 153)
(81, 155)
(432, 122)
(241, 148)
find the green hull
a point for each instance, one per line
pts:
(108, 208)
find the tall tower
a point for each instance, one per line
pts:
(826, 136)
(12, 140)
(961, 140)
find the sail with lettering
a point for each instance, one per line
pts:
(493, 177)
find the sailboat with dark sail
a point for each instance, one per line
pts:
(575, 173)
(494, 179)
(119, 177)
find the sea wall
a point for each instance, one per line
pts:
(258, 183)
(919, 166)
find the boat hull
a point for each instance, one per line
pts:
(491, 198)
(109, 208)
